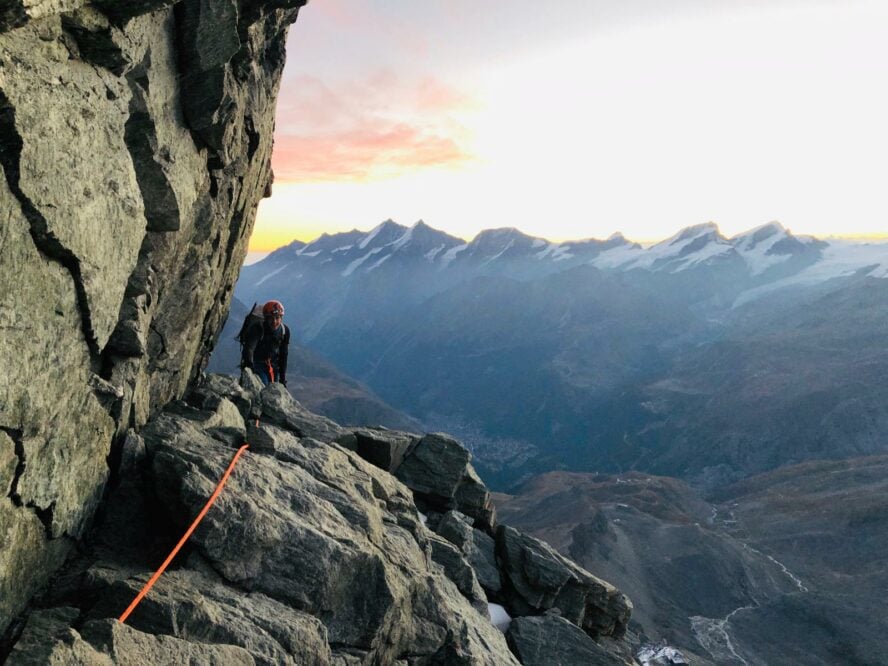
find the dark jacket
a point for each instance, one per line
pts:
(263, 347)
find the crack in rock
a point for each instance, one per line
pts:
(140, 135)
(45, 515)
(19, 450)
(47, 243)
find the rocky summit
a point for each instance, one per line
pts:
(327, 546)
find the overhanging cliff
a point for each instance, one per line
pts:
(135, 145)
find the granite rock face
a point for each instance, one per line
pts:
(539, 579)
(49, 639)
(553, 641)
(311, 555)
(135, 145)
(437, 468)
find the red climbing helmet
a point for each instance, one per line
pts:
(273, 308)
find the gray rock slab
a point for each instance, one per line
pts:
(481, 554)
(63, 430)
(477, 547)
(384, 448)
(473, 499)
(435, 467)
(458, 570)
(550, 640)
(49, 638)
(456, 528)
(213, 387)
(91, 126)
(251, 383)
(121, 224)
(270, 439)
(128, 647)
(26, 557)
(537, 578)
(279, 408)
(222, 420)
(193, 606)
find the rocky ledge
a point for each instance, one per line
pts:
(327, 546)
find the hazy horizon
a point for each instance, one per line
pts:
(581, 119)
(254, 256)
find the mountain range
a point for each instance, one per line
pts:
(702, 357)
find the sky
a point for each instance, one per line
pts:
(581, 118)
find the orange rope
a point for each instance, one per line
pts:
(184, 538)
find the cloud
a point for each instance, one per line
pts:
(375, 128)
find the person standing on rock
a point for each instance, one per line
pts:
(266, 343)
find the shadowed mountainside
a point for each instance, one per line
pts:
(690, 358)
(783, 567)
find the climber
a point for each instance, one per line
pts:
(265, 343)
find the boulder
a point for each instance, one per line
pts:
(269, 439)
(435, 467)
(458, 570)
(477, 546)
(214, 387)
(537, 578)
(199, 608)
(279, 408)
(438, 470)
(222, 420)
(382, 447)
(49, 638)
(456, 528)
(482, 557)
(550, 640)
(253, 386)
(473, 499)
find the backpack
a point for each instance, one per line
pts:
(254, 317)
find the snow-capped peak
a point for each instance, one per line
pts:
(704, 230)
(749, 239)
(382, 234)
(692, 246)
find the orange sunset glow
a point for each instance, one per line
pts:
(579, 122)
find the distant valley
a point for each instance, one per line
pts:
(702, 357)
(783, 568)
